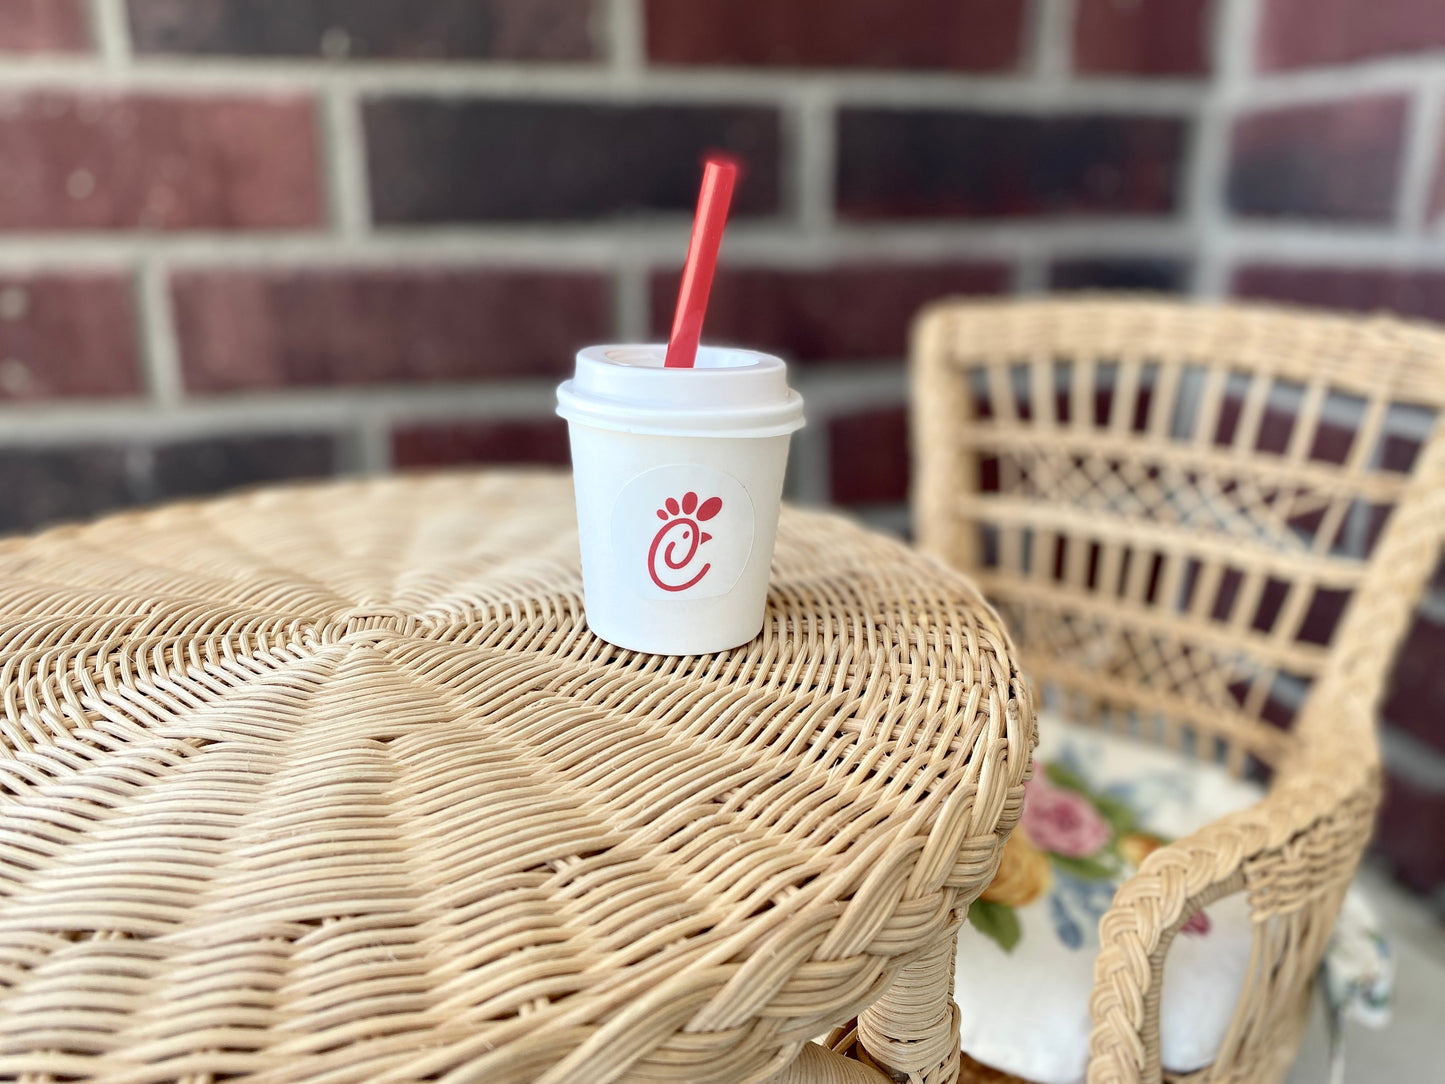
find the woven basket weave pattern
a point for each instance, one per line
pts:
(1169, 504)
(332, 783)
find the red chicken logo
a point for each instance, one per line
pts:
(680, 530)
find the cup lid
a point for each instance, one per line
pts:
(728, 392)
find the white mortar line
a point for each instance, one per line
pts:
(1322, 248)
(370, 446)
(503, 399)
(1208, 158)
(344, 150)
(591, 245)
(631, 300)
(810, 132)
(1391, 75)
(613, 82)
(1051, 41)
(110, 30)
(626, 35)
(1432, 606)
(288, 410)
(1233, 47)
(845, 388)
(598, 247)
(621, 78)
(160, 352)
(1412, 760)
(23, 258)
(1016, 94)
(1422, 154)
(894, 519)
(502, 246)
(807, 478)
(1031, 273)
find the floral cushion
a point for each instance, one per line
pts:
(1097, 805)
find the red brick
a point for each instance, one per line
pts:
(67, 335)
(915, 163)
(438, 160)
(959, 35)
(1411, 833)
(244, 330)
(157, 162)
(1338, 160)
(529, 440)
(840, 313)
(1310, 33)
(1133, 37)
(419, 29)
(43, 26)
(1416, 701)
(868, 457)
(1354, 289)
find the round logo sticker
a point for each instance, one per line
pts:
(683, 531)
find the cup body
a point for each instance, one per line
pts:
(676, 584)
(678, 479)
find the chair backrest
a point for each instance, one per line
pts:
(1199, 521)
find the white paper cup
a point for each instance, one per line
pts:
(678, 475)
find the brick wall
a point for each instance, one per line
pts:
(250, 239)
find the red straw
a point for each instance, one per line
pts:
(707, 229)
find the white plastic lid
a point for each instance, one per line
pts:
(727, 393)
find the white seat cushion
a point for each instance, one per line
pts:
(1096, 806)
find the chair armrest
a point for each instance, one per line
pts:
(818, 1065)
(1294, 854)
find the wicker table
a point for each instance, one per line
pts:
(331, 783)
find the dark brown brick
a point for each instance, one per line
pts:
(912, 163)
(272, 329)
(420, 29)
(1310, 33)
(1130, 37)
(1411, 833)
(43, 26)
(1322, 619)
(839, 313)
(1339, 160)
(40, 486)
(70, 334)
(961, 35)
(1416, 701)
(1132, 273)
(1355, 289)
(72, 161)
(868, 457)
(527, 440)
(444, 160)
(211, 465)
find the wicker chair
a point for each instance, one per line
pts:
(1207, 527)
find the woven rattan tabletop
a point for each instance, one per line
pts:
(332, 783)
